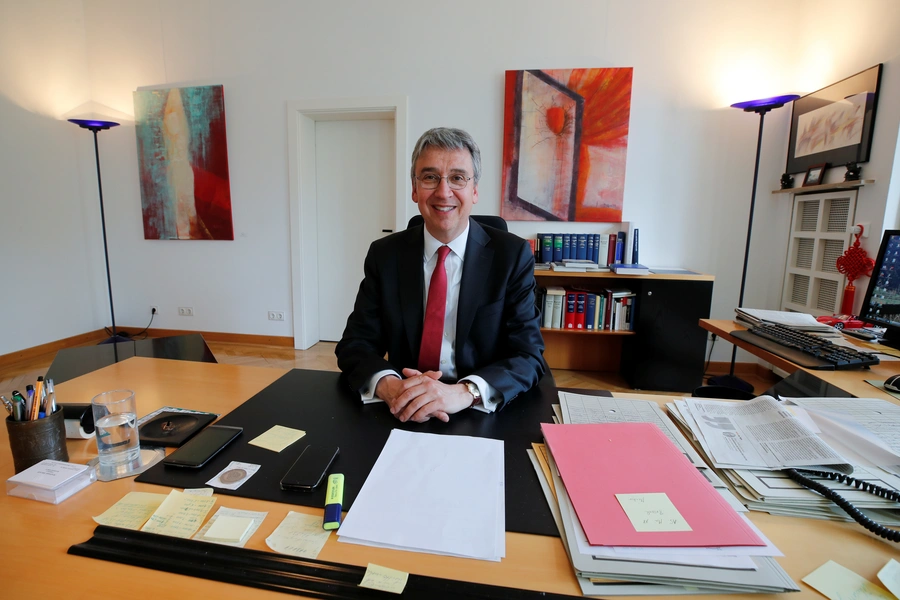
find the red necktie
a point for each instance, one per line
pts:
(435, 308)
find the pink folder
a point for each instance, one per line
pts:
(598, 461)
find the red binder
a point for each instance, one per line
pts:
(569, 321)
(598, 461)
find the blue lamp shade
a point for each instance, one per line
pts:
(764, 105)
(93, 125)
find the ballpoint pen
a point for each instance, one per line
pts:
(8, 405)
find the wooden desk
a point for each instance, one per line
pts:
(33, 550)
(851, 380)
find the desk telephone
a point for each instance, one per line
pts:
(799, 476)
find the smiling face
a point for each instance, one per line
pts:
(445, 210)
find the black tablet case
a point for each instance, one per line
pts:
(172, 429)
(320, 403)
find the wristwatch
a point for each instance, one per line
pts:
(476, 394)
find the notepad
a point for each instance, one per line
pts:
(228, 529)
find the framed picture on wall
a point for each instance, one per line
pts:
(835, 124)
(815, 175)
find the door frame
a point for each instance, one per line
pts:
(302, 116)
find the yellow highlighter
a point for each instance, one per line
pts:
(334, 496)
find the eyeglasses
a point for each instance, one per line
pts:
(431, 181)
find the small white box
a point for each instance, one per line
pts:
(50, 481)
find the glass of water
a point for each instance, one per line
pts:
(115, 425)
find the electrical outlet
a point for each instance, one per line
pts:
(186, 311)
(154, 310)
(276, 315)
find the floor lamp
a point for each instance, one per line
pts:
(96, 126)
(760, 107)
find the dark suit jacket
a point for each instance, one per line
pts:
(498, 333)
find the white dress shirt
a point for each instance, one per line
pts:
(454, 267)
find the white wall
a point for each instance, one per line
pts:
(690, 157)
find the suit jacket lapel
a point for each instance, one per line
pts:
(476, 269)
(412, 286)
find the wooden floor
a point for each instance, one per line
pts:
(321, 357)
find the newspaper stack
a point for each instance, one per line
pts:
(623, 571)
(749, 443)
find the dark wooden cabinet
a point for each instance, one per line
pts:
(665, 351)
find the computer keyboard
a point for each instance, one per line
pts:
(804, 349)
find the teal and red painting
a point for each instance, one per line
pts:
(565, 140)
(183, 163)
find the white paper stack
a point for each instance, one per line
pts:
(795, 320)
(441, 494)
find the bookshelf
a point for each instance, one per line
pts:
(666, 350)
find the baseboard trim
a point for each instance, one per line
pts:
(90, 337)
(218, 336)
(82, 339)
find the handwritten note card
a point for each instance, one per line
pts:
(652, 512)
(278, 438)
(131, 511)
(889, 575)
(840, 583)
(180, 515)
(299, 535)
(382, 578)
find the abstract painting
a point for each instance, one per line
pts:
(183, 163)
(834, 125)
(565, 140)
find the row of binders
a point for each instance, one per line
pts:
(610, 309)
(602, 249)
(638, 510)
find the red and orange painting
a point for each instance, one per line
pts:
(183, 163)
(565, 140)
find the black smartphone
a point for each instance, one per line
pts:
(310, 468)
(203, 446)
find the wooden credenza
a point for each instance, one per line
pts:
(666, 349)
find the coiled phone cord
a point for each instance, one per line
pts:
(857, 515)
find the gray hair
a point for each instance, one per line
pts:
(447, 138)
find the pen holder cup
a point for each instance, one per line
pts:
(33, 441)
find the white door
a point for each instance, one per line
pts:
(354, 203)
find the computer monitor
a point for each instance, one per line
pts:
(881, 306)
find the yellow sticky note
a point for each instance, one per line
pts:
(228, 529)
(889, 575)
(384, 579)
(180, 515)
(652, 512)
(299, 534)
(131, 511)
(277, 438)
(837, 582)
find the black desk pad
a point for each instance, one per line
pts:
(320, 403)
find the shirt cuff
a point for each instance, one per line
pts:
(367, 394)
(489, 403)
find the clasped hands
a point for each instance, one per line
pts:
(422, 396)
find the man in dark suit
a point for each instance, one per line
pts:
(451, 303)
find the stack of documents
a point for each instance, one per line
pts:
(636, 514)
(752, 317)
(751, 442)
(442, 494)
